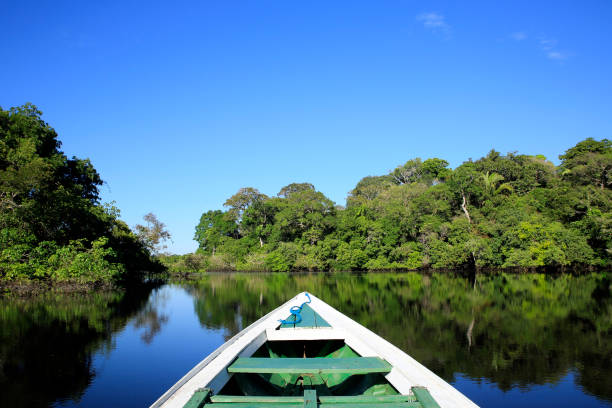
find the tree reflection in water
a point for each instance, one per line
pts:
(47, 342)
(511, 330)
(150, 319)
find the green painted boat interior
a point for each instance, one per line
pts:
(314, 374)
(310, 319)
(318, 371)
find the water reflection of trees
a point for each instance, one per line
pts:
(149, 317)
(513, 330)
(47, 342)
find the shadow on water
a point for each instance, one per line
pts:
(512, 330)
(47, 342)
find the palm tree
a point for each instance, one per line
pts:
(491, 188)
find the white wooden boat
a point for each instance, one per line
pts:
(318, 358)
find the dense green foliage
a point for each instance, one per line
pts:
(52, 224)
(499, 211)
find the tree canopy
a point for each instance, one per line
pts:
(52, 224)
(153, 234)
(501, 211)
(589, 162)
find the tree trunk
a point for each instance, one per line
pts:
(260, 242)
(469, 333)
(464, 207)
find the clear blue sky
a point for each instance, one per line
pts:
(179, 104)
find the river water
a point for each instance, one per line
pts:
(502, 340)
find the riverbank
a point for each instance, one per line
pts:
(195, 265)
(26, 288)
(36, 287)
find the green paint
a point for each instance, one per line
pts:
(310, 318)
(362, 399)
(197, 399)
(252, 398)
(333, 379)
(278, 376)
(256, 405)
(373, 405)
(424, 397)
(302, 404)
(310, 399)
(318, 365)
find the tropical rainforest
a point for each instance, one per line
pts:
(500, 211)
(52, 224)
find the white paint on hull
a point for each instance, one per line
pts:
(324, 333)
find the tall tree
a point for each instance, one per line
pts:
(41, 189)
(435, 170)
(258, 219)
(286, 191)
(589, 162)
(51, 221)
(153, 234)
(465, 182)
(492, 186)
(367, 189)
(410, 172)
(306, 214)
(214, 226)
(243, 199)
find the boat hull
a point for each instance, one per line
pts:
(405, 373)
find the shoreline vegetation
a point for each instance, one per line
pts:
(53, 227)
(513, 212)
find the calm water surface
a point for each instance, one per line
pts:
(504, 341)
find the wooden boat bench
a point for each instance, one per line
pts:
(317, 365)
(420, 398)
